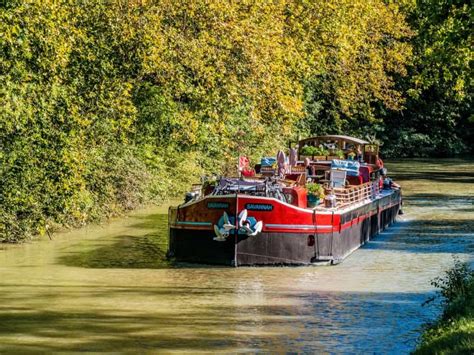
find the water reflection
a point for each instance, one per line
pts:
(110, 288)
(252, 320)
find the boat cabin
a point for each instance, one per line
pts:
(343, 170)
(331, 147)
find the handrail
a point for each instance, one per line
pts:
(355, 194)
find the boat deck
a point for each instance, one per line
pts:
(354, 197)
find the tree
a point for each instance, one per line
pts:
(354, 52)
(438, 116)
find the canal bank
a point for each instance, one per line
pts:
(110, 287)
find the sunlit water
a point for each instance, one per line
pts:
(110, 288)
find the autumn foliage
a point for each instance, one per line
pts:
(106, 105)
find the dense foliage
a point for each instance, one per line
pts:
(107, 105)
(453, 333)
(358, 49)
(438, 116)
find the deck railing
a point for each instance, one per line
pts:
(355, 194)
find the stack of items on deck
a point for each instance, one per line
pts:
(357, 174)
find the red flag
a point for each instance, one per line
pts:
(244, 163)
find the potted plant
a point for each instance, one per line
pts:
(340, 153)
(336, 154)
(321, 152)
(315, 193)
(308, 151)
(351, 156)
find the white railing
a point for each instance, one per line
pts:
(355, 194)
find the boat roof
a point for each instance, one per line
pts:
(345, 138)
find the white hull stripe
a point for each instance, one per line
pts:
(282, 226)
(297, 226)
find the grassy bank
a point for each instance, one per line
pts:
(453, 333)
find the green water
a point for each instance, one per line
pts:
(110, 288)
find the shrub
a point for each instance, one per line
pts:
(453, 332)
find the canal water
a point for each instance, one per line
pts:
(110, 288)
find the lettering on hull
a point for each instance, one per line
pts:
(217, 205)
(264, 207)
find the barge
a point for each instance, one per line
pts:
(268, 215)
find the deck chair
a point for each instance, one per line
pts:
(337, 178)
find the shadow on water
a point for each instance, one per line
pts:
(317, 321)
(146, 251)
(442, 207)
(454, 202)
(439, 177)
(144, 248)
(151, 221)
(427, 236)
(453, 171)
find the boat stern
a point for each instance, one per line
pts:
(192, 235)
